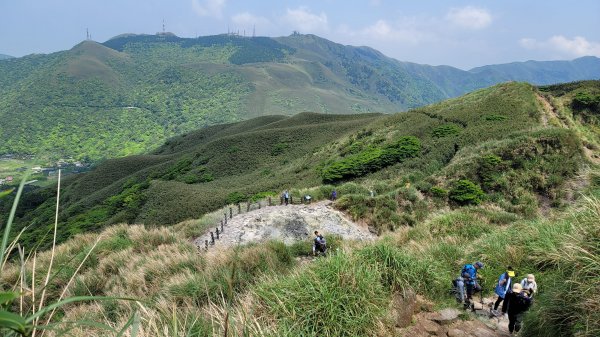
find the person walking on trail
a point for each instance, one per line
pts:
(516, 303)
(334, 195)
(469, 275)
(503, 286)
(529, 284)
(286, 197)
(319, 245)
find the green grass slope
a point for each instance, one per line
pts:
(505, 175)
(489, 145)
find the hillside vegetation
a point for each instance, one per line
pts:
(129, 94)
(505, 175)
(487, 145)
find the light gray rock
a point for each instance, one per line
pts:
(287, 223)
(446, 316)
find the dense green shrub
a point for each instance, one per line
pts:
(465, 192)
(585, 100)
(438, 192)
(181, 167)
(262, 195)
(236, 197)
(371, 160)
(489, 167)
(445, 130)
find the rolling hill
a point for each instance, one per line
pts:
(130, 93)
(497, 137)
(507, 175)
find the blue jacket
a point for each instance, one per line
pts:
(469, 273)
(502, 289)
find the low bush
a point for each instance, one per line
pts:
(445, 130)
(465, 192)
(371, 160)
(438, 192)
(236, 198)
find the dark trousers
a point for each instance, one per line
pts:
(471, 289)
(321, 250)
(286, 200)
(514, 322)
(500, 299)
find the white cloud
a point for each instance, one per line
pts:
(247, 19)
(470, 17)
(383, 30)
(577, 46)
(305, 21)
(212, 8)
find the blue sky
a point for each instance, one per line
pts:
(463, 34)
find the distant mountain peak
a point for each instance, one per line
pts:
(6, 57)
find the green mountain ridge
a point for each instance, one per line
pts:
(129, 94)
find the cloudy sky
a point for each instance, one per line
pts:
(460, 33)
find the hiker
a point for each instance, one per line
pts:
(333, 195)
(286, 197)
(319, 244)
(516, 303)
(503, 286)
(469, 275)
(529, 284)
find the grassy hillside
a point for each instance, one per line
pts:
(193, 174)
(131, 93)
(486, 142)
(505, 175)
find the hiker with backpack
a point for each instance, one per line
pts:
(516, 303)
(529, 284)
(469, 277)
(334, 195)
(319, 245)
(503, 286)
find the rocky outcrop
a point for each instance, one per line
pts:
(289, 224)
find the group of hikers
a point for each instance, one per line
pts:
(516, 297)
(286, 198)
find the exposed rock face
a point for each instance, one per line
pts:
(446, 316)
(403, 308)
(289, 224)
(446, 322)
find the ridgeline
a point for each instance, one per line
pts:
(129, 94)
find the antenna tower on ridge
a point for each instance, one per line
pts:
(163, 26)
